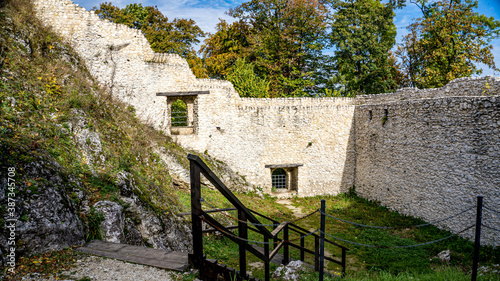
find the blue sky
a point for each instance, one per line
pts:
(206, 13)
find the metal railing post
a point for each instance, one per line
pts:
(196, 223)
(302, 243)
(286, 252)
(266, 262)
(316, 253)
(343, 261)
(275, 239)
(477, 243)
(322, 242)
(243, 233)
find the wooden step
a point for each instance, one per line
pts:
(161, 258)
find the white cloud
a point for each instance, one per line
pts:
(206, 13)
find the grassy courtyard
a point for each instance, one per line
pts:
(363, 263)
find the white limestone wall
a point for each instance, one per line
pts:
(119, 58)
(437, 150)
(431, 158)
(461, 87)
(249, 134)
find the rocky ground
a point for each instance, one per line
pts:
(104, 269)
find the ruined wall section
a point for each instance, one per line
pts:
(308, 131)
(121, 59)
(421, 152)
(249, 134)
(430, 158)
(461, 87)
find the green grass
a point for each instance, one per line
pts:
(439, 274)
(420, 263)
(44, 83)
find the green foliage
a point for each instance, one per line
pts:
(440, 274)
(179, 113)
(330, 93)
(394, 261)
(104, 183)
(44, 264)
(415, 263)
(282, 39)
(246, 81)
(213, 245)
(447, 43)
(177, 36)
(93, 222)
(126, 161)
(223, 48)
(363, 32)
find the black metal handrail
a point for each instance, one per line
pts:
(203, 168)
(245, 215)
(301, 231)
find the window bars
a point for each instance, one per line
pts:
(279, 179)
(179, 119)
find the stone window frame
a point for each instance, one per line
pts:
(292, 176)
(189, 98)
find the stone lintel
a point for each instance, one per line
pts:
(180, 94)
(283, 166)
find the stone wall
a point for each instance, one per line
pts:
(420, 152)
(250, 134)
(461, 87)
(120, 58)
(430, 158)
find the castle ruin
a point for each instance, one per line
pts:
(426, 153)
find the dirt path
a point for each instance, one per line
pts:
(296, 211)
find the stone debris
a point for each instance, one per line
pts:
(445, 256)
(290, 272)
(482, 270)
(105, 269)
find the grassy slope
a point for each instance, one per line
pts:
(48, 82)
(42, 84)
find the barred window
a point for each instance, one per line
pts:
(279, 178)
(179, 114)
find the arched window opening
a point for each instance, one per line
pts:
(279, 179)
(179, 114)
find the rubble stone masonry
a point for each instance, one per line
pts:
(426, 153)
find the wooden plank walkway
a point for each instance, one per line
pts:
(277, 259)
(165, 259)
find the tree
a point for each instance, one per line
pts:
(177, 36)
(223, 48)
(363, 33)
(446, 43)
(246, 82)
(283, 39)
